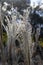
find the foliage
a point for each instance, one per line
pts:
(35, 17)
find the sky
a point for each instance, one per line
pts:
(36, 2)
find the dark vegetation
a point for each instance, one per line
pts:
(4, 36)
(36, 19)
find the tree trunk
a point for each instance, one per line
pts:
(1, 44)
